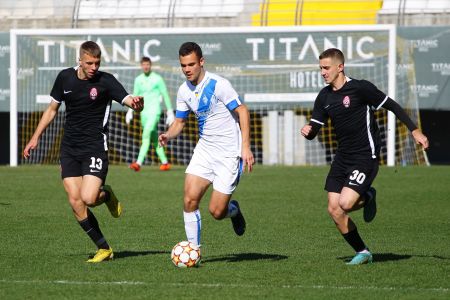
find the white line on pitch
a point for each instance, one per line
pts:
(206, 285)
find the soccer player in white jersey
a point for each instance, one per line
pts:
(223, 149)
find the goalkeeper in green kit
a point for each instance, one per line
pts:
(151, 86)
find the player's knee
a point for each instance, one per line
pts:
(346, 205)
(217, 213)
(89, 200)
(335, 212)
(75, 202)
(190, 204)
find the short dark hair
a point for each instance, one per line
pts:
(146, 59)
(333, 53)
(91, 48)
(189, 47)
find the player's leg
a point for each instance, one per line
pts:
(95, 167)
(194, 189)
(346, 226)
(86, 219)
(342, 200)
(145, 143)
(219, 205)
(72, 185)
(154, 119)
(94, 170)
(90, 191)
(361, 176)
(227, 172)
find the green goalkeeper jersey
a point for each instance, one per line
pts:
(152, 88)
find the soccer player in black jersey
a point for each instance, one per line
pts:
(350, 103)
(87, 94)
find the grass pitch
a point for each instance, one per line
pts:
(291, 248)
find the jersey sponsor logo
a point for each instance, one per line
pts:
(346, 101)
(205, 100)
(94, 171)
(93, 93)
(352, 183)
(66, 92)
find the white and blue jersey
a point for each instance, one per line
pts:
(213, 101)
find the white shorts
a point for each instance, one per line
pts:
(224, 172)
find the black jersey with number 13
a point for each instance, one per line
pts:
(88, 104)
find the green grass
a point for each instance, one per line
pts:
(291, 248)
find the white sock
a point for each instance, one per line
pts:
(193, 226)
(232, 210)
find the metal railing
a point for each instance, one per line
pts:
(176, 13)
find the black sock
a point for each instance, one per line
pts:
(90, 226)
(93, 221)
(354, 240)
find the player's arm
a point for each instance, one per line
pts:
(244, 123)
(129, 115)
(46, 119)
(310, 130)
(316, 122)
(400, 113)
(134, 102)
(173, 131)
(182, 113)
(117, 91)
(165, 94)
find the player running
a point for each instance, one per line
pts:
(223, 150)
(87, 94)
(350, 103)
(151, 86)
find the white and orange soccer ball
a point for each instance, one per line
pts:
(185, 255)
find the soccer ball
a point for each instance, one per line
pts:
(185, 255)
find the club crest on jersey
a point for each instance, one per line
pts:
(93, 93)
(346, 101)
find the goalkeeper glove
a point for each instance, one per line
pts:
(170, 117)
(129, 116)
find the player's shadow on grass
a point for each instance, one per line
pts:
(3, 203)
(383, 257)
(125, 254)
(245, 257)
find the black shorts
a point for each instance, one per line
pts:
(95, 164)
(355, 174)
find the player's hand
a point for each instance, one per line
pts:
(137, 103)
(32, 144)
(129, 116)
(421, 139)
(306, 130)
(170, 117)
(247, 159)
(163, 139)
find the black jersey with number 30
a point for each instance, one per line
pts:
(88, 104)
(351, 110)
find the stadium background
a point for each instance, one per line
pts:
(291, 250)
(422, 26)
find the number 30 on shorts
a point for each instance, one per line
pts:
(358, 176)
(96, 163)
